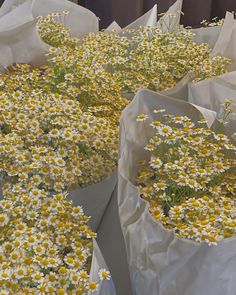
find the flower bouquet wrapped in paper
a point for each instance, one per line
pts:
(152, 58)
(34, 92)
(140, 55)
(80, 20)
(19, 38)
(46, 246)
(77, 103)
(95, 85)
(176, 194)
(50, 140)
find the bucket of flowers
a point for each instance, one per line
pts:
(176, 197)
(47, 247)
(49, 141)
(144, 57)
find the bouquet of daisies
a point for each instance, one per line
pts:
(176, 194)
(143, 57)
(46, 246)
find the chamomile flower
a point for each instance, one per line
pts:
(4, 219)
(104, 274)
(142, 118)
(188, 180)
(155, 162)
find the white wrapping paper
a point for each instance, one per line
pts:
(22, 44)
(211, 93)
(111, 242)
(226, 42)
(19, 39)
(169, 23)
(113, 26)
(94, 199)
(80, 20)
(207, 35)
(147, 19)
(180, 90)
(16, 17)
(160, 263)
(150, 19)
(105, 287)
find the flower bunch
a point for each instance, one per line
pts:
(142, 58)
(47, 139)
(213, 23)
(78, 74)
(45, 244)
(190, 179)
(158, 60)
(56, 34)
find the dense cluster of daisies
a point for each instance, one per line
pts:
(143, 58)
(47, 139)
(190, 179)
(59, 127)
(45, 244)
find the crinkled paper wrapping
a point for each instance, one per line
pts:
(111, 242)
(170, 21)
(220, 38)
(148, 19)
(226, 42)
(207, 35)
(212, 93)
(106, 287)
(19, 39)
(22, 44)
(80, 20)
(94, 199)
(160, 263)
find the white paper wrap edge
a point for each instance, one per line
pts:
(106, 287)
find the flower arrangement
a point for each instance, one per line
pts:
(60, 122)
(48, 140)
(56, 34)
(142, 58)
(45, 244)
(59, 130)
(189, 179)
(76, 73)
